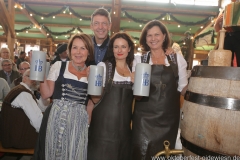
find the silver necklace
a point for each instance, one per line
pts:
(79, 68)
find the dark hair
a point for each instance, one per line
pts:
(87, 40)
(22, 52)
(110, 55)
(148, 26)
(102, 12)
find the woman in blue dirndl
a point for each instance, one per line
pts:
(66, 129)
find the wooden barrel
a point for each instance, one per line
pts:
(210, 118)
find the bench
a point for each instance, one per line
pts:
(13, 150)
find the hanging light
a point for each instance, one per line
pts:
(53, 17)
(178, 26)
(31, 14)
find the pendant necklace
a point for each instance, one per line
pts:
(79, 68)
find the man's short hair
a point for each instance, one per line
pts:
(6, 60)
(102, 12)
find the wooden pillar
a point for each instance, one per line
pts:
(190, 52)
(116, 16)
(50, 45)
(8, 14)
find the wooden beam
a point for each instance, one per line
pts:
(7, 16)
(201, 52)
(10, 37)
(153, 9)
(3, 23)
(35, 22)
(66, 3)
(116, 16)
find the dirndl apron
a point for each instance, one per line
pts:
(109, 131)
(156, 118)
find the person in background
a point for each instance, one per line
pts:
(66, 127)
(21, 58)
(4, 89)
(23, 66)
(7, 71)
(21, 115)
(100, 25)
(156, 117)
(5, 54)
(231, 40)
(15, 59)
(61, 53)
(110, 131)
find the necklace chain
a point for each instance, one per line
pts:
(79, 68)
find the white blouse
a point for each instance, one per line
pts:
(117, 77)
(55, 70)
(182, 65)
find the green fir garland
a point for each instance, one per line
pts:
(202, 35)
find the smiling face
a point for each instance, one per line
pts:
(155, 38)
(79, 52)
(120, 48)
(100, 26)
(5, 53)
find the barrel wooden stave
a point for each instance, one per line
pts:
(212, 128)
(215, 87)
(216, 129)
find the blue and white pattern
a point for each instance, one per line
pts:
(67, 131)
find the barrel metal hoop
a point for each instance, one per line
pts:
(213, 101)
(216, 72)
(199, 150)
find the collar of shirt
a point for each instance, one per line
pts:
(8, 74)
(26, 86)
(104, 44)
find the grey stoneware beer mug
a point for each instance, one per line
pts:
(142, 79)
(38, 66)
(95, 80)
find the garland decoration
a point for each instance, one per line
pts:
(169, 15)
(190, 23)
(30, 10)
(79, 29)
(202, 35)
(69, 9)
(23, 29)
(78, 15)
(142, 21)
(57, 33)
(136, 38)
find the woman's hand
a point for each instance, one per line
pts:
(169, 51)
